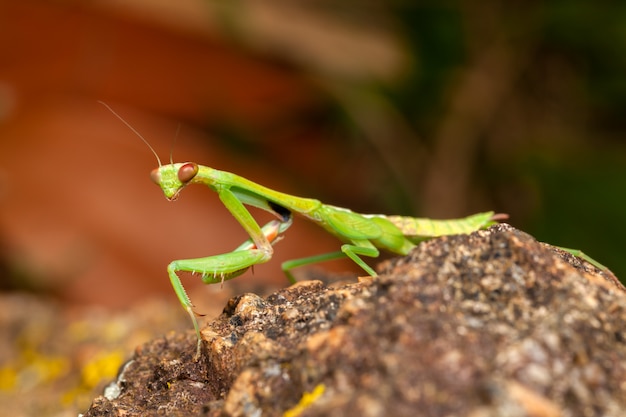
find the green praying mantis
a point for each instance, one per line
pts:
(361, 234)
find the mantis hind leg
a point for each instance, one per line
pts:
(580, 254)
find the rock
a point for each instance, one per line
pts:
(488, 324)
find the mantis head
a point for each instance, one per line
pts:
(172, 178)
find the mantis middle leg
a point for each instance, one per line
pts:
(352, 251)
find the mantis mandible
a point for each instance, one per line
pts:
(361, 234)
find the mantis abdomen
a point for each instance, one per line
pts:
(418, 229)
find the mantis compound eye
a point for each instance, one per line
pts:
(155, 176)
(187, 171)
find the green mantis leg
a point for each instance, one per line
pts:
(213, 269)
(295, 263)
(258, 249)
(580, 254)
(351, 251)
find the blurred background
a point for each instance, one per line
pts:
(430, 109)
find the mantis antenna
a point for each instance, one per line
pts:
(134, 131)
(173, 143)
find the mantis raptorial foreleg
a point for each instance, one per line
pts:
(218, 268)
(213, 269)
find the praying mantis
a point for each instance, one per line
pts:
(361, 234)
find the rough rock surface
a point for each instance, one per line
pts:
(488, 324)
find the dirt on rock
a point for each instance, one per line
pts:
(488, 324)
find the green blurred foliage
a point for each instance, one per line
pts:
(562, 179)
(579, 203)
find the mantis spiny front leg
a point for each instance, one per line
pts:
(218, 268)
